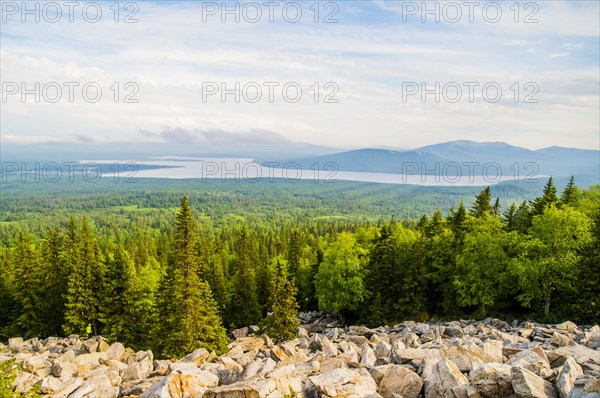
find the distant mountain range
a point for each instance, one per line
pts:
(468, 157)
(448, 159)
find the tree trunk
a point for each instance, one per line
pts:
(547, 307)
(483, 309)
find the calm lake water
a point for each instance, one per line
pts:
(247, 169)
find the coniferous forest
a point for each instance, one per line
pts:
(173, 282)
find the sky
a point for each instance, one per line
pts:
(344, 74)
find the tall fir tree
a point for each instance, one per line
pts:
(522, 218)
(548, 198)
(55, 286)
(243, 308)
(496, 208)
(457, 218)
(81, 307)
(483, 203)
(120, 312)
(508, 218)
(28, 285)
(281, 323)
(570, 194)
(188, 311)
(293, 254)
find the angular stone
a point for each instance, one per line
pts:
(400, 381)
(198, 356)
(189, 384)
(50, 385)
(565, 381)
(491, 380)
(534, 361)
(345, 382)
(441, 378)
(527, 384)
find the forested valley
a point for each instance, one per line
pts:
(178, 282)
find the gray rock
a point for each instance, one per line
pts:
(527, 384)
(565, 381)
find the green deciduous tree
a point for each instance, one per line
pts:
(482, 264)
(549, 257)
(339, 282)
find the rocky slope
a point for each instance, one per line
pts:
(462, 359)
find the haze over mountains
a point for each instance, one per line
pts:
(452, 158)
(464, 157)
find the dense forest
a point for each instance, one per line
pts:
(177, 279)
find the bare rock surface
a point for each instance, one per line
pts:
(459, 359)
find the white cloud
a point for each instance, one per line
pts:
(170, 54)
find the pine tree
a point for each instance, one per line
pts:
(243, 308)
(55, 286)
(483, 203)
(28, 284)
(548, 198)
(281, 323)
(570, 194)
(187, 309)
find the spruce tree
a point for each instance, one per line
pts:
(293, 255)
(81, 307)
(281, 323)
(548, 198)
(496, 207)
(55, 286)
(522, 218)
(570, 194)
(120, 314)
(483, 203)
(28, 285)
(243, 307)
(188, 313)
(457, 217)
(509, 218)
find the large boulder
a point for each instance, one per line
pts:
(442, 379)
(527, 384)
(467, 357)
(491, 380)
(191, 383)
(345, 382)
(399, 380)
(565, 381)
(533, 360)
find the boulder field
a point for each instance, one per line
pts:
(459, 359)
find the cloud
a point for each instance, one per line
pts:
(369, 54)
(83, 139)
(216, 137)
